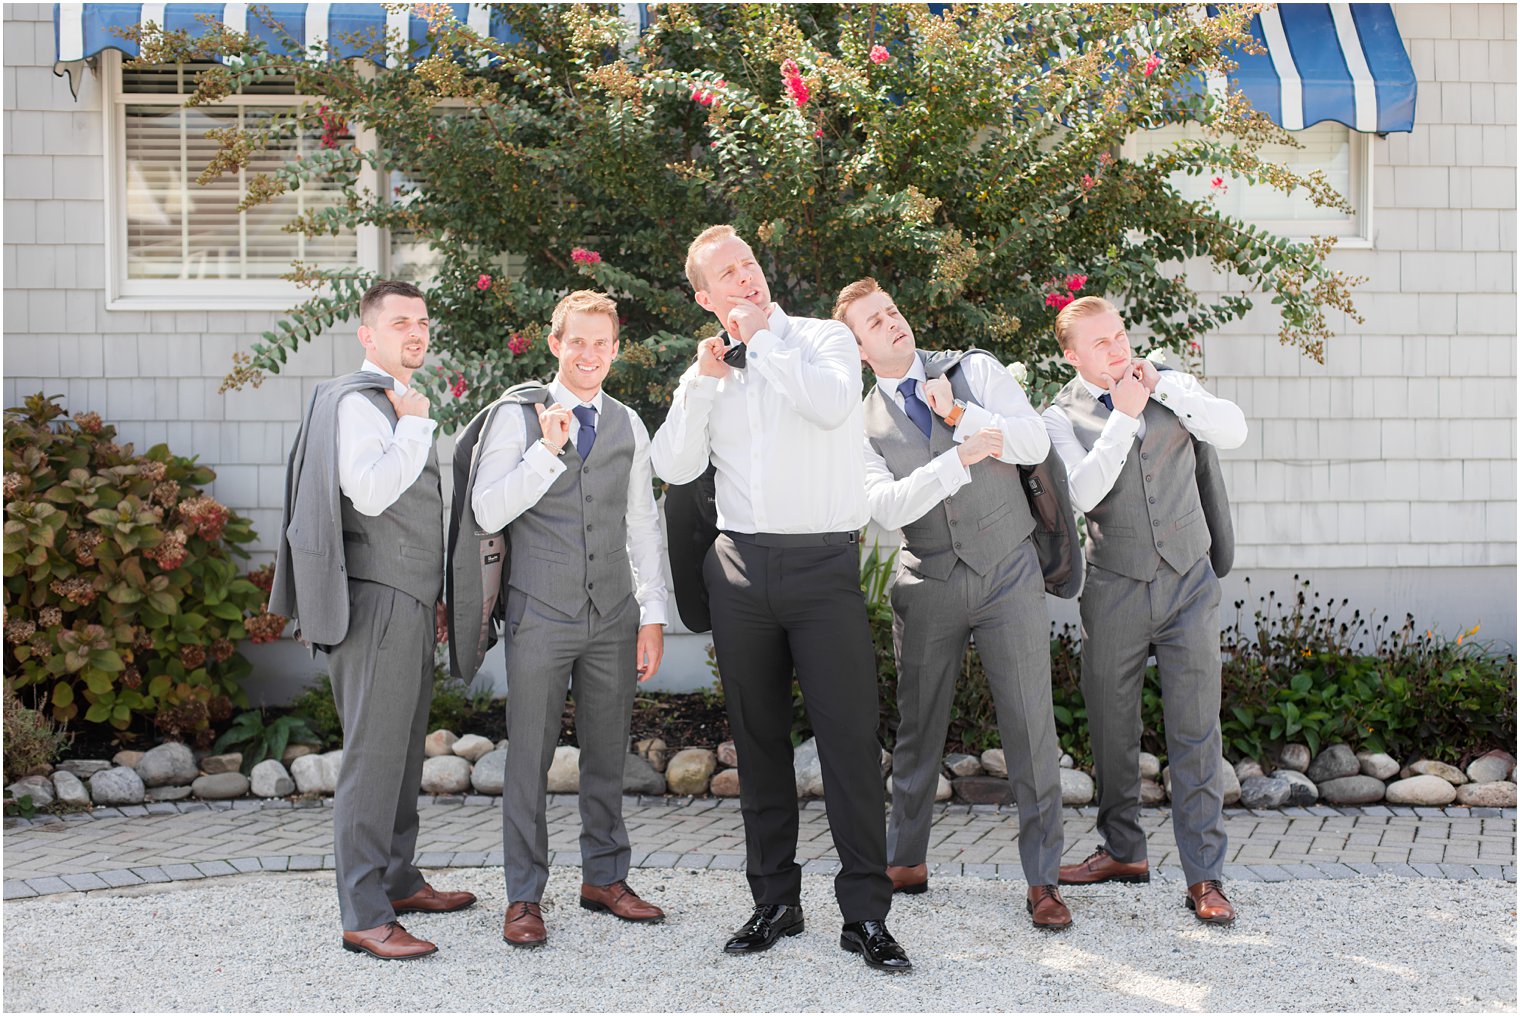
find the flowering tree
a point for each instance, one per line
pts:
(969, 161)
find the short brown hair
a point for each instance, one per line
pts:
(1082, 307)
(583, 301)
(857, 290)
(375, 295)
(706, 238)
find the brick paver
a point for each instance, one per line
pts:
(113, 847)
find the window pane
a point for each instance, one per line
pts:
(179, 229)
(179, 79)
(1327, 147)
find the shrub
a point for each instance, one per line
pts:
(123, 597)
(32, 740)
(257, 740)
(316, 704)
(453, 708)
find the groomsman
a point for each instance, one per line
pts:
(360, 569)
(571, 484)
(774, 404)
(945, 434)
(1126, 433)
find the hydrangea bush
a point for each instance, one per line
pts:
(971, 160)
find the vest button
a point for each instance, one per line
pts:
(953, 522)
(588, 527)
(1145, 455)
(957, 545)
(1152, 501)
(1148, 479)
(1161, 543)
(590, 585)
(585, 469)
(590, 557)
(1155, 522)
(588, 497)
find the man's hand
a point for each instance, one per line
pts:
(710, 358)
(649, 650)
(986, 442)
(939, 396)
(1146, 373)
(1128, 393)
(409, 403)
(744, 319)
(441, 624)
(555, 423)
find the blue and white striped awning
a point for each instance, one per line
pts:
(1341, 62)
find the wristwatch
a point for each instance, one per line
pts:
(954, 416)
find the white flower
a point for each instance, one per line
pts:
(1020, 372)
(1157, 355)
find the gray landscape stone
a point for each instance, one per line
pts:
(1152, 792)
(1150, 766)
(231, 762)
(1302, 790)
(1294, 756)
(1231, 783)
(490, 773)
(1334, 762)
(445, 774)
(160, 794)
(38, 788)
(725, 783)
(120, 785)
(439, 742)
(1377, 765)
(808, 769)
(728, 754)
(1257, 792)
(565, 770)
(1430, 767)
(690, 770)
(1491, 768)
(982, 790)
(1076, 788)
(1349, 790)
(1246, 768)
(126, 757)
(654, 751)
(315, 774)
(295, 751)
(1066, 761)
(169, 765)
(1489, 794)
(271, 779)
(220, 786)
(69, 789)
(1422, 789)
(994, 762)
(84, 768)
(959, 764)
(474, 747)
(639, 777)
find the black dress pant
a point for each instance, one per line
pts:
(799, 606)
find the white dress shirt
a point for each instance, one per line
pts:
(378, 462)
(513, 475)
(1003, 404)
(1091, 474)
(785, 432)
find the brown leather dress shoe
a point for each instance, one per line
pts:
(524, 926)
(388, 942)
(909, 879)
(1208, 903)
(620, 901)
(428, 900)
(1046, 908)
(1100, 866)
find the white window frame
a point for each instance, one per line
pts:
(123, 293)
(1359, 234)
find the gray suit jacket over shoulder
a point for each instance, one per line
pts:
(310, 580)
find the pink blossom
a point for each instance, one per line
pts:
(582, 256)
(1075, 282)
(1219, 185)
(713, 144)
(517, 344)
(1195, 347)
(483, 283)
(1088, 183)
(1151, 63)
(459, 386)
(799, 91)
(879, 55)
(818, 133)
(789, 68)
(1057, 300)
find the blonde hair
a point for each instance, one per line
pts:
(1082, 307)
(583, 301)
(857, 290)
(705, 239)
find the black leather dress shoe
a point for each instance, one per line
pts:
(769, 922)
(873, 941)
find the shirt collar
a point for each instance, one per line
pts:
(371, 368)
(566, 397)
(888, 385)
(1094, 390)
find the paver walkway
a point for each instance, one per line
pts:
(112, 847)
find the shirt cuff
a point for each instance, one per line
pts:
(1169, 390)
(952, 472)
(702, 386)
(542, 461)
(415, 428)
(1121, 425)
(761, 344)
(653, 612)
(972, 420)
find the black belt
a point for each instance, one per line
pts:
(794, 539)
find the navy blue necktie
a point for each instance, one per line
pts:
(1107, 400)
(914, 406)
(586, 437)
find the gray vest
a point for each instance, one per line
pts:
(572, 546)
(1153, 512)
(983, 522)
(402, 547)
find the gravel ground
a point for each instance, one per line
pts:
(270, 942)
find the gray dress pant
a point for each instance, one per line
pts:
(382, 681)
(932, 620)
(594, 657)
(1124, 621)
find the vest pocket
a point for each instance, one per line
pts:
(995, 515)
(1190, 518)
(416, 553)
